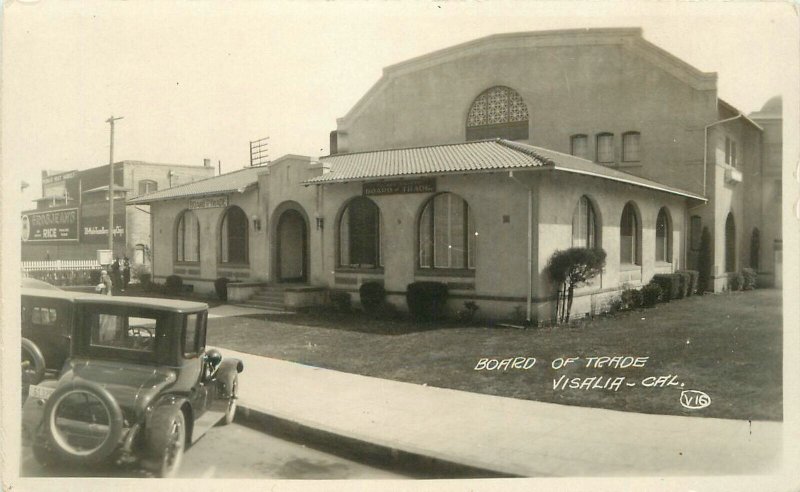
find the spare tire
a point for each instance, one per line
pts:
(33, 366)
(82, 422)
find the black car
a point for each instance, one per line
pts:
(46, 331)
(138, 386)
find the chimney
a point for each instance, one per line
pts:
(334, 147)
(207, 162)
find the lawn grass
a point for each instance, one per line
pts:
(727, 345)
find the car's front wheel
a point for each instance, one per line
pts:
(166, 439)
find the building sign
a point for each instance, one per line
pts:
(95, 229)
(55, 225)
(59, 177)
(427, 185)
(208, 202)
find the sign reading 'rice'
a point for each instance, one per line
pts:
(56, 225)
(400, 187)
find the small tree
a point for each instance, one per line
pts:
(704, 263)
(569, 269)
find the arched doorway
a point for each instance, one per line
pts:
(292, 247)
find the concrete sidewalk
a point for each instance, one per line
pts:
(228, 310)
(503, 435)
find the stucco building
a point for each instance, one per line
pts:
(472, 165)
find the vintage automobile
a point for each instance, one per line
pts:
(46, 332)
(137, 388)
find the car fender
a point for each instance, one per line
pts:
(169, 400)
(228, 369)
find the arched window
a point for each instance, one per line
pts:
(579, 146)
(605, 147)
(147, 186)
(663, 237)
(630, 147)
(585, 230)
(498, 112)
(360, 235)
(187, 237)
(233, 236)
(629, 236)
(730, 244)
(447, 233)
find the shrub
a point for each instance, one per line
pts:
(685, 279)
(341, 301)
(631, 299)
(651, 293)
(467, 315)
(427, 300)
(373, 296)
(750, 278)
(670, 285)
(174, 285)
(144, 279)
(94, 277)
(735, 281)
(692, 287)
(569, 269)
(704, 261)
(156, 288)
(221, 287)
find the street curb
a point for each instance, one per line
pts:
(378, 455)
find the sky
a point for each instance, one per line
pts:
(201, 79)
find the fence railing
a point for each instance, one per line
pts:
(63, 272)
(59, 265)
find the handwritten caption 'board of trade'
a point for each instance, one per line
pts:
(690, 399)
(400, 187)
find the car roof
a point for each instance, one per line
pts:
(49, 293)
(174, 305)
(35, 283)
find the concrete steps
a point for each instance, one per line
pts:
(269, 297)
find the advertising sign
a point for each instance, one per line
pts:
(95, 229)
(427, 185)
(208, 202)
(52, 225)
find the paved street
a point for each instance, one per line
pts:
(237, 452)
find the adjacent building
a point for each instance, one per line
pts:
(70, 221)
(474, 164)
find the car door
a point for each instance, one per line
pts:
(193, 366)
(46, 322)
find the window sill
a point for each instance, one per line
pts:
(187, 263)
(377, 271)
(233, 265)
(627, 267)
(444, 272)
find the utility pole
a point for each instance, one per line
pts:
(111, 186)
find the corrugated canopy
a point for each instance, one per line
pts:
(224, 183)
(478, 156)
